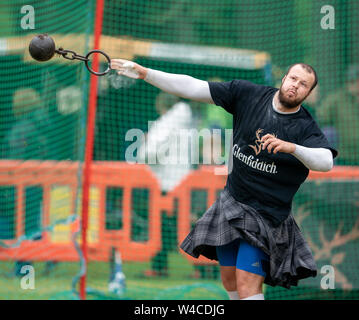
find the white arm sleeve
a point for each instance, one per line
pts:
(180, 85)
(316, 159)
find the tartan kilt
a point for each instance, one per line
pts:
(290, 258)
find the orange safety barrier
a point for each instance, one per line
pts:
(105, 174)
(113, 174)
(205, 179)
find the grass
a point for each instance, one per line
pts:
(177, 286)
(57, 284)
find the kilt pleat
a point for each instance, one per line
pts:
(290, 258)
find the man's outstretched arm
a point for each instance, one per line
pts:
(177, 84)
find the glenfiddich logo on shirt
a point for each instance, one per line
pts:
(250, 161)
(258, 142)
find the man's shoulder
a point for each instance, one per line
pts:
(307, 112)
(251, 84)
(309, 124)
(252, 90)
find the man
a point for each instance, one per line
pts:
(26, 140)
(340, 111)
(175, 115)
(249, 228)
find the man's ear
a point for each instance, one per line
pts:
(284, 78)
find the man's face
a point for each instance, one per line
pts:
(296, 86)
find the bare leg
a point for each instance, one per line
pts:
(248, 284)
(228, 276)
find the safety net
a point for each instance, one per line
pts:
(65, 132)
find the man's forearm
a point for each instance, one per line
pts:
(177, 84)
(316, 159)
(180, 85)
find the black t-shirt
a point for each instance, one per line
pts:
(265, 181)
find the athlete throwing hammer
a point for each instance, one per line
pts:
(250, 229)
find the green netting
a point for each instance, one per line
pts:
(43, 116)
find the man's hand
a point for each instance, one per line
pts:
(129, 68)
(271, 142)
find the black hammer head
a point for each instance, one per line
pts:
(42, 47)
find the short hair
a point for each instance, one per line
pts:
(307, 68)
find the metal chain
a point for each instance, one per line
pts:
(73, 55)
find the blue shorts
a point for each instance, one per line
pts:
(243, 256)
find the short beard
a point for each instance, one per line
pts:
(289, 104)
